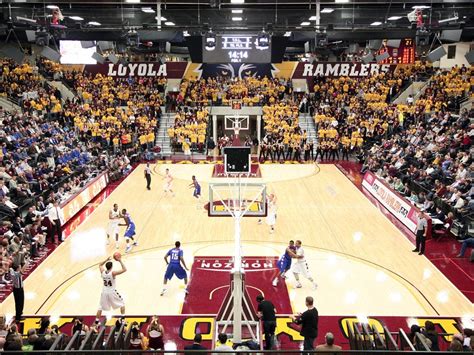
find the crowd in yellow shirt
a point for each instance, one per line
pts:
(251, 91)
(281, 122)
(189, 128)
(23, 83)
(119, 111)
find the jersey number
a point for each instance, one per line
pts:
(107, 283)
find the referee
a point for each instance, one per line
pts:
(148, 173)
(16, 273)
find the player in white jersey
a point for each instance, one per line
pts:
(301, 266)
(168, 185)
(110, 299)
(113, 227)
(272, 212)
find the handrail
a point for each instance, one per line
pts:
(421, 341)
(57, 341)
(86, 340)
(99, 339)
(405, 341)
(73, 341)
(390, 342)
(110, 342)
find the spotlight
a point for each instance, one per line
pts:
(263, 40)
(132, 39)
(321, 39)
(42, 38)
(210, 41)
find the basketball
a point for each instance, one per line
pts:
(117, 256)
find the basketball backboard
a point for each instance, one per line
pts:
(249, 200)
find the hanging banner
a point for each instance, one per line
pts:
(285, 70)
(333, 69)
(171, 70)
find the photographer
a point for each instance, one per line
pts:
(309, 324)
(266, 312)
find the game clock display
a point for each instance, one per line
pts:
(237, 49)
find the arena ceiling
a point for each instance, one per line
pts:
(277, 15)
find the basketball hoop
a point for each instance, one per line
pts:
(237, 198)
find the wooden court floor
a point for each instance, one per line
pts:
(362, 263)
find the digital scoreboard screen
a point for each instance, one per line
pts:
(236, 49)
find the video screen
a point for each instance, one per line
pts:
(73, 53)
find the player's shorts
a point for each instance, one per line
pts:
(301, 268)
(271, 219)
(130, 232)
(113, 229)
(167, 187)
(197, 191)
(284, 264)
(175, 270)
(110, 301)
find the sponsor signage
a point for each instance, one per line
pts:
(392, 201)
(332, 69)
(77, 202)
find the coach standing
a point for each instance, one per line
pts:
(18, 293)
(148, 173)
(309, 324)
(266, 312)
(56, 217)
(421, 232)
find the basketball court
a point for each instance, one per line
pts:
(362, 263)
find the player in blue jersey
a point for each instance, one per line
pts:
(130, 231)
(174, 267)
(284, 263)
(197, 190)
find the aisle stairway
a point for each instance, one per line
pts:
(162, 138)
(414, 89)
(306, 122)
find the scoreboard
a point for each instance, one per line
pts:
(236, 49)
(404, 54)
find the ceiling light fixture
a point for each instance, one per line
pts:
(132, 1)
(420, 7)
(312, 18)
(237, 11)
(327, 10)
(237, 1)
(162, 18)
(394, 18)
(76, 18)
(341, 1)
(287, 34)
(376, 23)
(169, 23)
(52, 7)
(148, 10)
(210, 41)
(454, 18)
(94, 23)
(263, 40)
(305, 23)
(236, 18)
